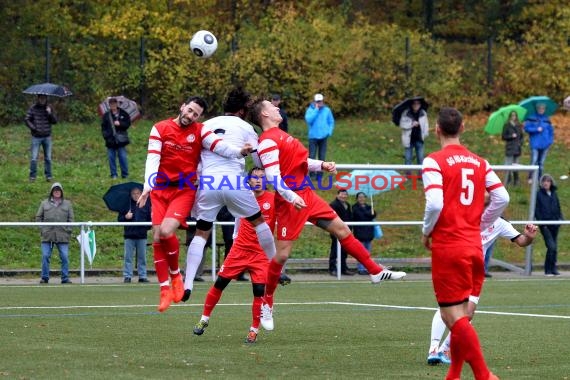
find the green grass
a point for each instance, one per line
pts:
(80, 163)
(324, 330)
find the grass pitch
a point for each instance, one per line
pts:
(323, 330)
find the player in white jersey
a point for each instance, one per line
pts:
(223, 182)
(500, 228)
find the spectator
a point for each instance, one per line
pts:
(541, 134)
(320, 122)
(39, 119)
(276, 101)
(363, 212)
(548, 208)
(114, 126)
(135, 237)
(415, 128)
(513, 137)
(344, 212)
(55, 209)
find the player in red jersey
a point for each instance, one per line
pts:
(173, 155)
(455, 181)
(245, 254)
(287, 165)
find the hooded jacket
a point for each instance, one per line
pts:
(52, 211)
(547, 206)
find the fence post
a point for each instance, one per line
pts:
(532, 206)
(81, 251)
(214, 251)
(338, 258)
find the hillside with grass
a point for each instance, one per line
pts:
(80, 164)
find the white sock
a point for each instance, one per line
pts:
(445, 345)
(193, 260)
(204, 318)
(265, 237)
(437, 330)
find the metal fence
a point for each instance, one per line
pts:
(85, 225)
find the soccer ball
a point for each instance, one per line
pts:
(203, 44)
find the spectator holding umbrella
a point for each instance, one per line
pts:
(541, 134)
(135, 236)
(363, 212)
(414, 125)
(39, 119)
(513, 137)
(114, 126)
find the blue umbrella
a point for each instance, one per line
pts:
(370, 182)
(118, 197)
(48, 89)
(530, 105)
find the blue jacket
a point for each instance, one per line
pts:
(320, 121)
(543, 139)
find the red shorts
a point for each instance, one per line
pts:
(171, 202)
(457, 273)
(290, 221)
(255, 262)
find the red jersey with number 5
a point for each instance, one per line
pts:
(463, 177)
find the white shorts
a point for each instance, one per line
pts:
(239, 201)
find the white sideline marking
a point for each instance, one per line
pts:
(399, 307)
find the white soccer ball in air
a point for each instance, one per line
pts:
(203, 44)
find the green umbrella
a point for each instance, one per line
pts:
(499, 118)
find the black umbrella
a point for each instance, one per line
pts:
(48, 89)
(404, 105)
(118, 197)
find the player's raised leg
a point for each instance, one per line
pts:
(355, 248)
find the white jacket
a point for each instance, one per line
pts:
(406, 125)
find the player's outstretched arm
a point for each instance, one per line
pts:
(212, 142)
(499, 198)
(530, 231)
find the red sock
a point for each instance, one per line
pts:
(273, 274)
(355, 249)
(171, 251)
(456, 366)
(465, 346)
(160, 263)
(256, 311)
(212, 298)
